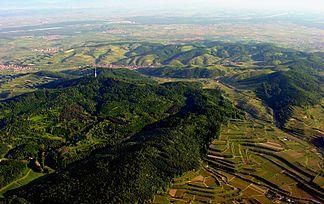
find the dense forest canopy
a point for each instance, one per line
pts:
(284, 90)
(144, 135)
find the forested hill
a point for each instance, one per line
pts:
(183, 55)
(229, 63)
(283, 91)
(109, 138)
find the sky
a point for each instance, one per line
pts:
(316, 5)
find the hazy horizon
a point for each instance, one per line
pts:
(143, 5)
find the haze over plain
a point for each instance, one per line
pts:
(312, 5)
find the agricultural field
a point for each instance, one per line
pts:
(252, 162)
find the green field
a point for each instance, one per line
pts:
(27, 178)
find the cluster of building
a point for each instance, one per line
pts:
(232, 64)
(115, 31)
(47, 50)
(52, 37)
(13, 67)
(113, 66)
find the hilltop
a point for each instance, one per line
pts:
(110, 129)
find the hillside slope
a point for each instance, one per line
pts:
(196, 54)
(143, 135)
(283, 91)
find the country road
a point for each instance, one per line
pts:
(16, 181)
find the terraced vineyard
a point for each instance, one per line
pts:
(252, 162)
